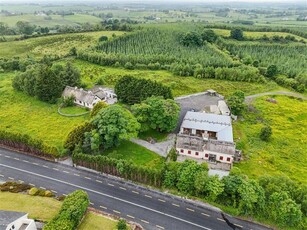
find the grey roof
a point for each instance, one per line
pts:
(7, 217)
(100, 94)
(220, 124)
(98, 88)
(79, 94)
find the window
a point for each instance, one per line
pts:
(221, 158)
(196, 153)
(189, 152)
(228, 158)
(206, 155)
(181, 150)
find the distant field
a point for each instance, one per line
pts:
(52, 44)
(285, 153)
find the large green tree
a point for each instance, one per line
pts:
(157, 113)
(114, 124)
(25, 27)
(237, 34)
(209, 36)
(236, 103)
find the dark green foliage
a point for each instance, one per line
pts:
(209, 36)
(157, 113)
(103, 38)
(25, 27)
(71, 213)
(265, 133)
(68, 101)
(271, 71)
(121, 225)
(236, 103)
(99, 106)
(115, 123)
(191, 39)
(134, 90)
(237, 34)
(29, 145)
(76, 136)
(172, 155)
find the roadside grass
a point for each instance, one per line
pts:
(286, 152)
(97, 221)
(39, 208)
(139, 155)
(153, 134)
(26, 115)
(51, 44)
(180, 85)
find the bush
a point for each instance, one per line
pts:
(71, 213)
(121, 225)
(14, 187)
(265, 133)
(68, 101)
(48, 193)
(33, 191)
(99, 106)
(172, 155)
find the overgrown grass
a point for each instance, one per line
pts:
(179, 85)
(24, 114)
(136, 153)
(52, 44)
(285, 153)
(97, 221)
(153, 134)
(40, 208)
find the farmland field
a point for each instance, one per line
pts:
(285, 153)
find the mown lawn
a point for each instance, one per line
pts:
(97, 221)
(24, 114)
(179, 85)
(286, 152)
(40, 208)
(137, 154)
(153, 134)
(52, 44)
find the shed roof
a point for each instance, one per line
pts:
(7, 217)
(220, 124)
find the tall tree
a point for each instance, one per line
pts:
(237, 34)
(209, 36)
(25, 27)
(236, 103)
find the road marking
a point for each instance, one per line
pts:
(64, 194)
(99, 181)
(16, 158)
(240, 226)
(161, 200)
(76, 174)
(65, 171)
(1, 175)
(111, 184)
(158, 226)
(32, 185)
(34, 163)
(103, 207)
(107, 195)
(192, 210)
(132, 217)
(177, 205)
(42, 188)
(91, 203)
(220, 219)
(54, 191)
(55, 169)
(145, 221)
(45, 166)
(11, 178)
(204, 214)
(21, 181)
(25, 161)
(135, 192)
(87, 178)
(148, 196)
(122, 188)
(7, 156)
(116, 211)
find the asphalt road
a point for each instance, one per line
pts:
(151, 209)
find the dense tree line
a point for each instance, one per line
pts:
(134, 90)
(46, 82)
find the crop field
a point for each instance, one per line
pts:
(285, 153)
(52, 45)
(162, 46)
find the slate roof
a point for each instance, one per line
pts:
(220, 124)
(79, 94)
(7, 217)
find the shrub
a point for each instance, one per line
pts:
(68, 101)
(172, 155)
(48, 193)
(121, 225)
(99, 106)
(265, 133)
(14, 187)
(33, 191)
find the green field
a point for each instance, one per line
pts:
(286, 152)
(52, 44)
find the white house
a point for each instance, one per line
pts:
(16, 221)
(89, 98)
(207, 136)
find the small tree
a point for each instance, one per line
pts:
(209, 36)
(99, 106)
(271, 71)
(236, 102)
(121, 225)
(103, 38)
(265, 133)
(68, 101)
(237, 34)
